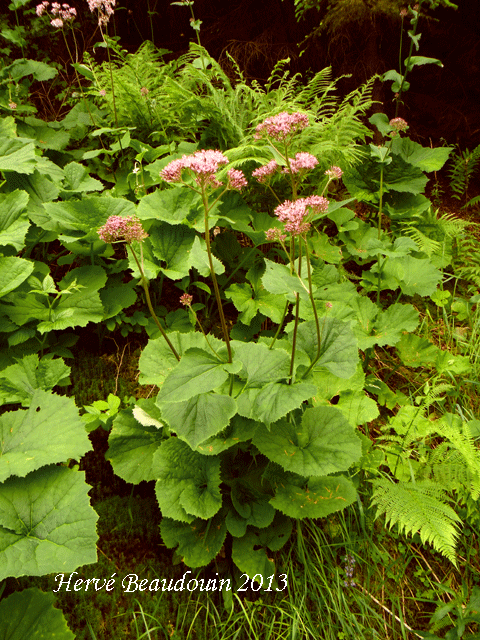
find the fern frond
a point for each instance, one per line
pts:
(462, 167)
(421, 508)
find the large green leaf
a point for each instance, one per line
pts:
(19, 381)
(198, 541)
(157, 359)
(423, 158)
(250, 551)
(261, 364)
(322, 497)
(131, 447)
(280, 281)
(13, 271)
(199, 259)
(338, 346)
(172, 244)
(357, 407)
(239, 429)
(30, 614)
(22, 67)
(40, 188)
(273, 401)
(382, 327)
(250, 303)
(414, 275)
(199, 418)
(170, 205)
(251, 505)
(197, 372)
(114, 299)
(80, 307)
(49, 431)
(324, 443)
(17, 155)
(78, 180)
(188, 484)
(14, 222)
(85, 215)
(46, 523)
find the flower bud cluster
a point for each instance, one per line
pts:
(64, 12)
(294, 214)
(398, 124)
(204, 165)
(105, 10)
(335, 173)
(117, 228)
(282, 126)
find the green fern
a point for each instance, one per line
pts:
(463, 166)
(419, 507)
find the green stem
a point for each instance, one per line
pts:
(287, 304)
(149, 303)
(410, 51)
(297, 313)
(317, 324)
(214, 278)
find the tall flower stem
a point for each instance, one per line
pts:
(297, 313)
(214, 278)
(150, 307)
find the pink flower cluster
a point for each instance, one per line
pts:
(334, 172)
(105, 10)
(64, 12)
(263, 173)
(186, 299)
(236, 179)
(283, 125)
(275, 235)
(294, 214)
(302, 162)
(204, 164)
(118, 228)
(398, 124)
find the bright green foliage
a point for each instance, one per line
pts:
(50, 431)
(13, 271)
(132, 447)
(31, 614)
(198, 541)
(14, 223)
(324, 443)
(421, 507)
(19, 381)
(321, 497)
(188, 484)
(39, 531)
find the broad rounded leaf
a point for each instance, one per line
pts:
(157, 359)
(131, 448)
(30, 614)
(199, 418)
(261, 365)
(273, 401)
(49, 431)
(198, 542)
(13, 271)
(338, 346)
(324, 443)
(322, 497)
(19, 381)
(46, 523)
(188, 484)
(197, 372)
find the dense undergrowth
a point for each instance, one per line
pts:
(239, 344)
